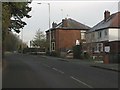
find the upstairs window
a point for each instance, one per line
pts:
(105, 33)
(99, 34)
(53, 34)
(93, 35)
(82, 35)
(47, 36)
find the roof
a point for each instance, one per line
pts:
(71, 24)
(113, 21)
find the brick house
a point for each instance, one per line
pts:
(65, 34)
(103, 39)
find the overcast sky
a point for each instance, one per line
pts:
(86, 12)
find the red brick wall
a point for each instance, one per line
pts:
(66, 38)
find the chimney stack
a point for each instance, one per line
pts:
(64, 22)
(106, 15)
(54, 25)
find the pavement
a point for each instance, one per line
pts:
(96, 64)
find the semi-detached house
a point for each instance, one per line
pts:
(103, 40)
(65, 34)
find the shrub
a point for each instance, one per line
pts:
(77, 51)
(86, 55)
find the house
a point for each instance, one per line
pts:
(103, 39)
(65, 34)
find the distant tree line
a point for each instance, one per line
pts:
(14, 43)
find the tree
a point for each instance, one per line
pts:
(12, 15)
(39, 40)
(12, 42)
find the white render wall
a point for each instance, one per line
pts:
(93, 36)
(114, 34)
(103, 36)
(88, 38)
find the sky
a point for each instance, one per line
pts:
(86, 12)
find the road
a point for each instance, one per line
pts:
(32, 71)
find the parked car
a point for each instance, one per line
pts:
(69, 54)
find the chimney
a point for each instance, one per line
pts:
(54, 25)
(64, 22)
(106, 15)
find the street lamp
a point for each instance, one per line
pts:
(49, 22)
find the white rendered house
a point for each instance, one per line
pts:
(105, 36)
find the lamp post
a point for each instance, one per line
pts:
(49, 24)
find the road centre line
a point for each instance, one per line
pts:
(55, 69)
(70, 76)
(81, 82)
(61, 72)
(58, 70)
(46, 65)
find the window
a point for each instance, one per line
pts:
(93, 35)
(100, 47)
(47, 36)
(53, 34)
(105, 33)
(53, 46)
(82, 35)
(99, 34)
(95, 48)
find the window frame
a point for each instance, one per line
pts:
(53, 46)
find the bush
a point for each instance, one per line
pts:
(77, 52)
(86, 55)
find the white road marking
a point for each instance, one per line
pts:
(55, 69)
(58, 70)
(46, 65)
(61, 71)
(81, 82)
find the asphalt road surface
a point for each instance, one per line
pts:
(32, 71)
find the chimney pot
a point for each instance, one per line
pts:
(106, 15)
(54, 25)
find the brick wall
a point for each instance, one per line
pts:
(66, 38)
